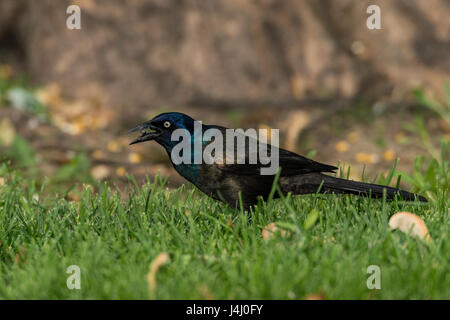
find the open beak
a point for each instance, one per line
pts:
(148, 132)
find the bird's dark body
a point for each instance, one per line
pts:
(225, 186)
(224, 182)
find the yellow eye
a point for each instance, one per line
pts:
(167, 124)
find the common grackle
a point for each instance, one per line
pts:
(224, 181)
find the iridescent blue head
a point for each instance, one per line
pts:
(160, 128)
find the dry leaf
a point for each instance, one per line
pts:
(367, 158)
(353, 137)
(98, 155)
(73, 197)
(295, 124)
(7, 132)
(100, 172)
(270, 230)
(297, 86)
(389, 155)
(21, 256)
(342, 146)
(160, 260)
(113, 146)
(2, 181)
(206, 293)
(120, 171)
(50, 95)
(5, 71)
(406, 222)
(315, 296)
(134, 157)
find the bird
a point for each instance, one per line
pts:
(241, 184)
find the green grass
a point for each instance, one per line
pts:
(214, 251)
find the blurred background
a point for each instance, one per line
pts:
(339, 92)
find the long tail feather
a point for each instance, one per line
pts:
(338, 185)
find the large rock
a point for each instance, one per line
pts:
(157, 53)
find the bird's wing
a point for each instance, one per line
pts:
(290, 162)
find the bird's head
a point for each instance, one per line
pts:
(160, 128)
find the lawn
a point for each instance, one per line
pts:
(152, 243)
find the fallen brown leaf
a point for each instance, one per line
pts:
(297, 86)
(100, 172)
(342, 146)
(120, 171)
(296, 122)
(7, 132)
(367, 158)
(353, 137)
(315, 296)
(389, 155)
(270, 230)
(134, 157)
(21, 256)
(406, 222)
(206, 293)
(113, 146)
(5, 71)
(160, 260)
(98, 154)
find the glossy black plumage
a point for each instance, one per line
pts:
(224, 182)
